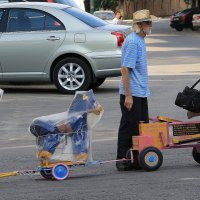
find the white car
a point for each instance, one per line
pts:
(106, 15)
(196, 21)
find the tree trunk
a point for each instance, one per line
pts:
(162, 4)
(127, 7)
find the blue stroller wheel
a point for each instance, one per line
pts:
(60, 171)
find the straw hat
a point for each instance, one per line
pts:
(141, 16)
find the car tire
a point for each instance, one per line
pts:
(179, 28)
(98, 82)
(194, 28)
(72, 74)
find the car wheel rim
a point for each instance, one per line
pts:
(71, 76)
(151, 159)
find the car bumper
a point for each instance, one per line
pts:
(106, 64)
(196, 23)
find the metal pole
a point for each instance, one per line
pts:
(92, 6)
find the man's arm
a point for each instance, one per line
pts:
(126, 82)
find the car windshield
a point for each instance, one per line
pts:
(105, 15)
(85, 17)
(184, 11)
(67, 2)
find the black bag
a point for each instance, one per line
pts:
(189, 99)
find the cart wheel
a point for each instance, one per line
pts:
(196, 155)
(60, 171)
(132, 155)
(46, 173)
(150, 158)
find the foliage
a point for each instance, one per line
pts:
(187, 1)
(106, 4)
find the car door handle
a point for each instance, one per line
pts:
(53, 38)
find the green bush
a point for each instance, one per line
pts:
(105, 4)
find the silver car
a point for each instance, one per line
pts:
(105, 14)
(54, 42)
(3, 1)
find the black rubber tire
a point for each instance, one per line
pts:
(47, 174)
(194, 28)
(85, 67)
(196, 155)
(132, 154)
(179, 28)
(144, 164)
(98, 82)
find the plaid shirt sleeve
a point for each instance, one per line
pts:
(129, 55)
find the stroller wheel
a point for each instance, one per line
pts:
(46, 173)
(60, 171)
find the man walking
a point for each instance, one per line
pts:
(134, 88)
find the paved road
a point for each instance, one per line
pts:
(178, 179)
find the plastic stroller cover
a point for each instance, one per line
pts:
(66, 136)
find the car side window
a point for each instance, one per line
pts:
(31, 20)
(51, 23)
(18, 21)
(1, 19)
(1, 14)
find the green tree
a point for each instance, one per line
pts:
(106, 4)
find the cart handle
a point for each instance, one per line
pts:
(163, 139)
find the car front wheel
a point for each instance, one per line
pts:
(179, 28)
(72, 74)
(98, 82)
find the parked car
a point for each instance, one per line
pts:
(66, 2)
(183, 19)
(196, 21)
(3, 1)
(107, 15)
(54, 42)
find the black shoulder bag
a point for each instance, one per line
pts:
(189, 99)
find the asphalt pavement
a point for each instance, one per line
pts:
(169, 54)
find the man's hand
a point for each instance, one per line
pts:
(126, 82)
(128, 102)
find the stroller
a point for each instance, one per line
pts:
(64, 139)
(66, 136)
